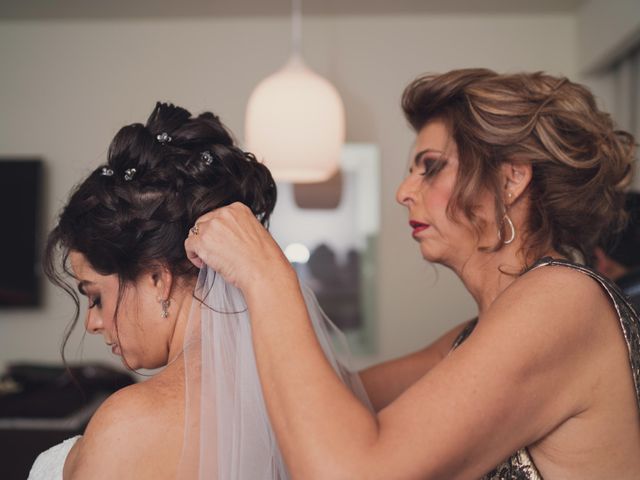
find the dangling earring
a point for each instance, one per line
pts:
(165, 308)
(507, 220)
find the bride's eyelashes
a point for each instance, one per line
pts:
(95, 302)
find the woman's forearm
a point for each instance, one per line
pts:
(322, 428)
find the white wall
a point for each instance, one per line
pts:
(607, 34)
(66, 87)
(606, 30)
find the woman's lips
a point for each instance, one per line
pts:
(417, 227)
(115, 349)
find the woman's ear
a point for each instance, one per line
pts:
(516, 179)
(161, 279)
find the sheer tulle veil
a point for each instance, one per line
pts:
(227, 431)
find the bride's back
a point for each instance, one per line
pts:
(137, 433)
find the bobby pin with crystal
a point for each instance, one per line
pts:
(163, 138)
(129, 173)
(206, 157)
(106, 172)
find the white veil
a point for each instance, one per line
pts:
(228, 435)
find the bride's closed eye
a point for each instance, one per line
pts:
(95, 302)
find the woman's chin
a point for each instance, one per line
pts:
(430, 255)
(131, 363)
(137, 363)
(127, 364)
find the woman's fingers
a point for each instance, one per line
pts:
(234, 243)
(191, 255)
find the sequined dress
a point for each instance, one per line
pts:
(520, 466)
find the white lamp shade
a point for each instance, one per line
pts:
(295, 124)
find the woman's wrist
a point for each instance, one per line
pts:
(269, 283)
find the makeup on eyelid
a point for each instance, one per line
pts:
(432, 166)
(431, 160)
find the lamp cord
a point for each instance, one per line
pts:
(296, 27)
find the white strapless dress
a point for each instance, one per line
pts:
(49, 464)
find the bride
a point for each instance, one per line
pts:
(120, 239)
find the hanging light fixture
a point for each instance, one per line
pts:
(295, 119)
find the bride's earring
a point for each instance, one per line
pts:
(164, 304)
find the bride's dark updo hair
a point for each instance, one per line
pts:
(135, 212)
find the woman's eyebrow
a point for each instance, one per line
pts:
(418, 156)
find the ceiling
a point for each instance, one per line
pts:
(140, 9)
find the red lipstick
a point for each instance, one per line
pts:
(417, 227)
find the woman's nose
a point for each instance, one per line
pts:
(93, 322)
(405, 192)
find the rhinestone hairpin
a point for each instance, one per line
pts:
(206, 157)
(106, 172)
(129, 174)
(163, 138)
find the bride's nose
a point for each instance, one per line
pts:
(93, 322)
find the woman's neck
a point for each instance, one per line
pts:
(182, 307)
(486, 275)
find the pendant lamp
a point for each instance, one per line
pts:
(295, 119)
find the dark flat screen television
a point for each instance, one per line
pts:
(20, 213)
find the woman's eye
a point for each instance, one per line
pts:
(95, 302)
(432, 167)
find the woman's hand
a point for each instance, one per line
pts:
(234, 243)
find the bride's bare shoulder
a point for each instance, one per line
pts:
(136, 433)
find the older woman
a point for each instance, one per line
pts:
(513, 181)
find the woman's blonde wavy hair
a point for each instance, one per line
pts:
(580, 162)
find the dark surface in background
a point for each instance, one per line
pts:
(47, 391)
(20, 201)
